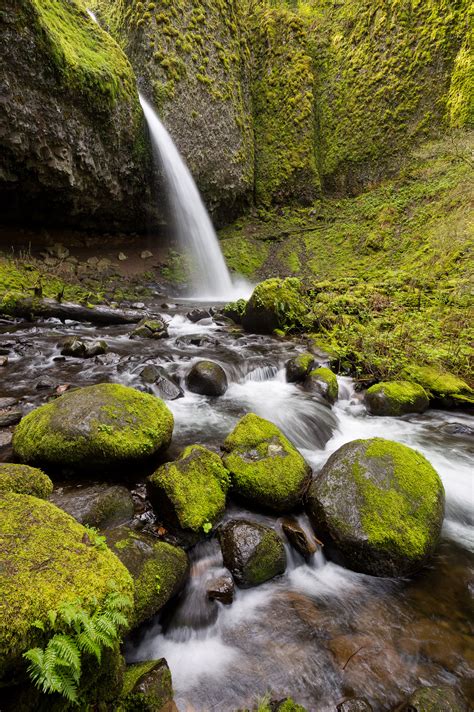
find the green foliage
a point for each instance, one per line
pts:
(57, 667)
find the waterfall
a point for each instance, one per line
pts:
(190, 220)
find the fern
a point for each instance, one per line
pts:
(57, 667)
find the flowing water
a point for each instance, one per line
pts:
(191, 223)
(319, 632)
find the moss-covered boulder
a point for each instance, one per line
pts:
(252, 552)
(189, 495)
(298, 367)
(23, 479)
(93, 427)
(147, 687)
(444, 388)
(235, 310)
(150, 329)
(323, 382)
(379, 506)
(265, 468)
(101, 506)
(443, 698)
(207, 378)
(47, 559)
(276, 304)
(396, 398)
(158, 569)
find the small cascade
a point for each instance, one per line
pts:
(191, 222)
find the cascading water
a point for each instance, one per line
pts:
(191, 222)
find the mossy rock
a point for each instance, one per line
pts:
(396, 398)
(101, 506)
(147, 687)
(93, 427)
(298, 367)
(276, 304)
(150, 329)
(158, 569)
(235, 310)
(23, 479)
(436, 699)
(443, 388)
(207, 378)
(265, 468)
(46, 559)
(324, 382)
(252, 552)
(189, 495)
(379, 506)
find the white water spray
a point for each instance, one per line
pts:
(191, 222)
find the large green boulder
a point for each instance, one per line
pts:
(158, 569)
(265, 468)
(103, 425)
(47, 559)
(444, 388)
(396, 398)
(23, 479)
(252, 552)
(147, 687)
(276, 304)
(189, 495)
(379, 506)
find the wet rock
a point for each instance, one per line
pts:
(10, 416)
(323, 382)
(44, 385)
(150, 329)
(106, 425)
(23, 479)
(168, 389)
(148, 687)
(298, 367)
(3, 361)
(6, 438)
(207, 378)
(457, 429)
(158, 569)
(72, 346)
(298, 538)
(355, 704)
(221, 589)
(436, 699)
(150, 373)
(396, 398)
(275, 304)
(7, 403)
(197, 314)
(252, 552)
(189, 494)
(266, 469)
(379, 507)
(96, 348)
(197, 340)
(102, 506)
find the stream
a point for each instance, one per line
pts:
(320, 632)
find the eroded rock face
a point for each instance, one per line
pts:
(101, 506)
(72, 135)
(379, 505)
(252, 552)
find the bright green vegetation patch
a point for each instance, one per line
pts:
(23, 479)
(265, 467)
(196, 486)
(103, 424)
(400, 516)
(242, 254)
(437, 383)
(85, 56)
(47, 559)
(396, 398)
(157, 689)
(329, 378)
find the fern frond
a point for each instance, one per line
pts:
(67, 653)
(89, 645)
(118, 601)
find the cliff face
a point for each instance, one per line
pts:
(72, 138)
(190, 59)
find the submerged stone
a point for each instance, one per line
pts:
(379, 506)
(189, 495)
(396, 398)
(107, 424)
(266, 469)
(252, 552)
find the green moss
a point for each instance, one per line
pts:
(396, 398)
(329, 378)
(147, 687)
(399, 517)
(438, 384)
(235, 310)
(24, 480)
(46, 559)
(290, 706)
(265, 467)
(268, 560)
(277, 304)
(195, 485)
(242, 254)
(136, 426)
(304, 361)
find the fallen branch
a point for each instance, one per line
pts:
(36, 308)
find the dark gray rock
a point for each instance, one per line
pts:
(298, 367)
(102, 506)
(355, 704)
(148, 687)
(197, 314)
(298, 538)
(252, 552)
(207, 378)
(221, 589)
